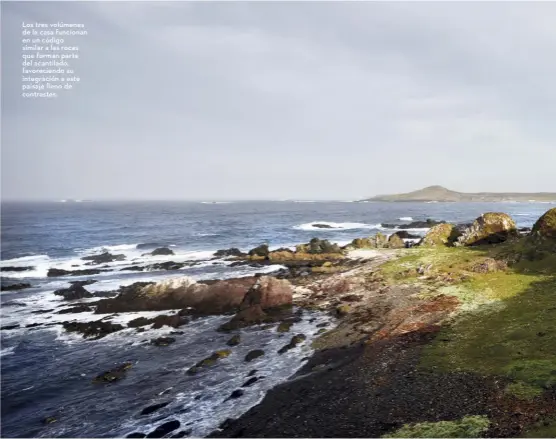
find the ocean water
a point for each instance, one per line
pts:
(47, 372)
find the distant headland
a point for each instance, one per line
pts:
(441, 194)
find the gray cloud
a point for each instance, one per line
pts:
(286, 100)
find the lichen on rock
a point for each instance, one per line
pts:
(545, 227)
(489, 228)
(441, 234)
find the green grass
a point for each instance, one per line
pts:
(469, 426)
(545, 428)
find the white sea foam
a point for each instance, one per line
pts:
(7, 351)
(405, 218)
(335, 226)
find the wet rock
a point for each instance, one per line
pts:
(229, 252)
(33, 325)
(489, 228)
(253, 372)
(95, 330)
(153, 408)
(170, 265)
(105, 294)
(49, 420)
(42, 311)
(56, 272)
(103, 258)
(16, 268)
(296, 339)
(174, 321)
(323, 226)
(114, 374)
(136, 434)
(76, 309)
(234, 341)
(75, 292)
(182, 433)
(132, 268)
(163, 341)
(15, 287)
(177, 333)
(250, 382)
(260, 251)
(284, 327)
(82, 283)
(162, 251)
(139, 321)
(163, 429)
(209, 361)
(236, 394)
(9, 327)
(253, 355)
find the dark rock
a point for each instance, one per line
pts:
(16, 268)
(136, 434)
(74, 292)
(114, 374)
(323, 226)
(170, 265)
(234, 341)
(75, 309)
(261, 251)
(8, 327)
(318, 246)
(13, 303)
(133, 268)
(284, 327)
(253, 372)
(177, 333)
(406, 235)
(49, 420)
(182, 433)
(96, 329)
(83, 283)
(56, 272)
(33, 325)
(230, 252)
(42, 311)
(162, 251)
(296, 339)
(163, 341)
(414, 225)
(15, 287)
(173, 321)
(250, 382)
(236, 394)
(105, 294)
(253, 355)
(103, 258)
(153, 408)
(163, 429)
(209, 361)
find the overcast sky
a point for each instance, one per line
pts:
(286, 100)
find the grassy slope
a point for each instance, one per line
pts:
(507, 324)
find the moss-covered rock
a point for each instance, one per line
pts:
(377, 241)
(296, 339)
(261, 251)
(394, 241)
(545, 227)
(284, 326)
(469, 426)
(209, 361)
(442, 234)
(234, 341)
(489, 228)
(342, 310)
(254, 355)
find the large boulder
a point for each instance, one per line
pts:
(220, 297)
(259, 252)
(103, 258)
(262, 300)
(377, 241)
(162, 251)
(229, 252)
(545, 227)
(489, 228)
(75, 292)
(318, 246)
(442, 234)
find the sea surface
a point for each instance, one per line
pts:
(47, 372)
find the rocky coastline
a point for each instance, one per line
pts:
(448, 335)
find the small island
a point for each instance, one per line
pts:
(441, 194)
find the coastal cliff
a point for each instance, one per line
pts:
(441, 194)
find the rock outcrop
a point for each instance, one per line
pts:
(219, 297)
(545, 227)
(75, 292)
(102, 258)
(267, 296)
(489, 228)
(229, 252)
(439, 235)
(394, 241)
(162, 251)
(56, 272)
(377, 241)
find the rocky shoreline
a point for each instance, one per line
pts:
(432, 338)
